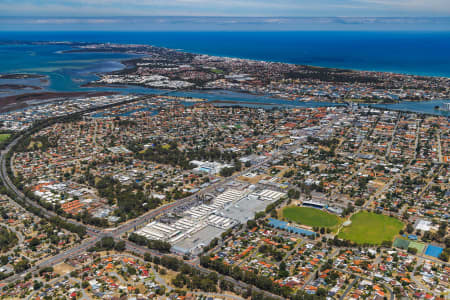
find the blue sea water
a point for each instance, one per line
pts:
(65, 71)
(421, 53)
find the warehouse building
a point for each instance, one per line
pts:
(201, 224)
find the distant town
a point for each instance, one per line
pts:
(171, 69)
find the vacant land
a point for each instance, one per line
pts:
(310, 216)
(371, 228)
(62, 269)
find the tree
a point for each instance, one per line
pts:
(21, 266)
(37, 285)
(359, 202)
(321, 292)
(34, 242)
(293, 194)
(412, 250)
(84, 284)
(386, 244)
(107, 242)
(7, 238)
(445, 255)
(120, 246)
(226, 172)
(3, 260)
(409, 228)
(283, 272)
(442, 230)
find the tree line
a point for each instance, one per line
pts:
(158, 245)
(7, 239)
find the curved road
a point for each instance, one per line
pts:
(96, 234)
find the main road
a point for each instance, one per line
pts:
(95, 234)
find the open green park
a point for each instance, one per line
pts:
(310, 216)
(4, 136)
(371, 228)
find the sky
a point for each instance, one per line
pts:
(260, 8)
(283, 14)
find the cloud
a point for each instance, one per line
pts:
(412, 5)
(266, 8)
(57, 21)
(186, 23)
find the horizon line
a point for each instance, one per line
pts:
(230, 16)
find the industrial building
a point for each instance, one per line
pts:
(245, 209)
(202, 223)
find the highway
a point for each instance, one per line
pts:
(95, 234)
(9, 185)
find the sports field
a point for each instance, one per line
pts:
(310, 216)
(371, 228)
(4, 136)
(419, 246)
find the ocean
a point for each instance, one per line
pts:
(420, 53)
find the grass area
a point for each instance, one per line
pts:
(371, 228)
(33, 143)
(4, 136)
(217, 71)
(419, 246)
(310, 216)
(401, 243)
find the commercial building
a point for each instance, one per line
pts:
(211, 168)
(202, 223)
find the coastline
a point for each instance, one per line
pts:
(130, 65)
(19, 87)
(325, 74)
(14, 102)
(305, 36)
